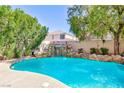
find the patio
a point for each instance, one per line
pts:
(19, 79)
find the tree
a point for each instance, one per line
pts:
(19, 31)
(110, 20)
(77, 18)
(104, 20)
(5, 32)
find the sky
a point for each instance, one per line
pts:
(52, 16)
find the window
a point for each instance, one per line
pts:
(52, 36)
(62, 36)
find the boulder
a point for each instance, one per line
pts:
(104, 58)
(117, 58)
(122, 60)
(93, 57)
(107, 58)
(84, 55)
(100, 57)
(77, 55)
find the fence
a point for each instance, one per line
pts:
(86, 45)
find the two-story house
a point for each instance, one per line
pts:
(59, 39)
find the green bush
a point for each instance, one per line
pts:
(104, 51)
(16, 34)
(94, 51)
(80, 50)
(27, 52)
(8, 53)
(18, 53)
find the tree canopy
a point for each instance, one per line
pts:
(98, 21)
(77, 18)
(18, 31)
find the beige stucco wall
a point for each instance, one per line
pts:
(122, 46)
(70, 37)
(86, 45)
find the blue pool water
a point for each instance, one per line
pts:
(76, 72)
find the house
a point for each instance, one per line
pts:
(59, 40)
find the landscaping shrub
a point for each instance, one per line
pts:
(104, 51)
(94, 51)
(80, 50)
(17, 53)
(8, 53)
(122, 54)
(27, 52)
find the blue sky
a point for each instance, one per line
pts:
(52, 16)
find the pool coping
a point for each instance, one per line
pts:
(23, 75)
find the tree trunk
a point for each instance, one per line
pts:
(116, 44)
(117, 39)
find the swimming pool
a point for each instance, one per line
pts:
(76, 72)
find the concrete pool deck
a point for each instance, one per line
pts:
(20, 79)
